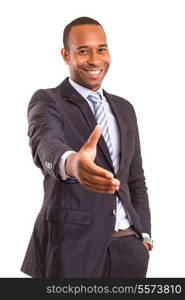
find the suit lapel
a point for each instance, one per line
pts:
(73, 96)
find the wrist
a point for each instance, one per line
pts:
(68, 165)
(149, 241)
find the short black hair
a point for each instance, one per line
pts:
(78, 21)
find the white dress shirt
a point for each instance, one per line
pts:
(122, 221)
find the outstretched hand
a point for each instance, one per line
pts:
(81, 166)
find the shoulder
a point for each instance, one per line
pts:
(45, 94)
(43, 101)
(50, 95)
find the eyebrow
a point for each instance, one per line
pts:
(85, 47)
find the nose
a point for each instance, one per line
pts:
(93, 59)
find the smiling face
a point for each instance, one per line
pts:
(87, 55)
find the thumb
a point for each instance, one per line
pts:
(94, 137)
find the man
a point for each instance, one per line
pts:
(95, 218)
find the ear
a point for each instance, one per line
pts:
(65, 55)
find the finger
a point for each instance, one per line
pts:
(94, 137)
(100, 186)
(93, 169)
(93, 179)
(105, 191)
(146, 245)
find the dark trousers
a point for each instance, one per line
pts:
(126, 257)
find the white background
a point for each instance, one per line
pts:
(147, 45)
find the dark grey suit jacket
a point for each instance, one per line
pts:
(74, 226)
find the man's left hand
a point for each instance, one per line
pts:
(146, 245)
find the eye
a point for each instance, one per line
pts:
(102, 50)
(83, 52)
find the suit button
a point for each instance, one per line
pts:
(114, 212)
(48, 165)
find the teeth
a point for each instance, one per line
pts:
(94, 72)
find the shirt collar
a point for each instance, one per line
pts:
(83, 91)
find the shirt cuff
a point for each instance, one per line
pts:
(144, 234)
(62, 170)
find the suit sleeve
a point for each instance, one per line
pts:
(46, 135)
(137, 185)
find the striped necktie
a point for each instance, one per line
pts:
(100, 117)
